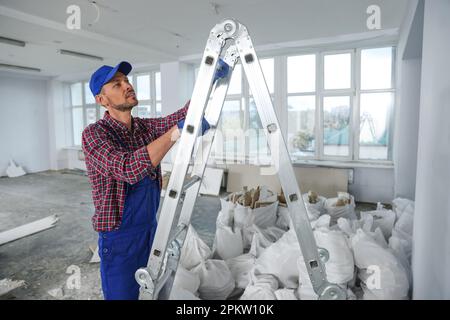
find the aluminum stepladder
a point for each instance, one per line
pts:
(157, 278)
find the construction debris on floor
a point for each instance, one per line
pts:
(7, 285)
(256, 254)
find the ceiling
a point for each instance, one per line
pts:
(151, 32)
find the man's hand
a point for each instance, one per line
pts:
(222, 70)
(205, 125)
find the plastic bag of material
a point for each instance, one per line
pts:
(228, 242)
(273, 234)
(263, 217)
(226, 213)
(401, 241)
(186, 280)
(182, 294)
(285, 294)
(256, 292)
(279, 260)
(406, 221)
(259, 244)
(379, 270)
(194, 250)
(340, 207)
(340, 266)
(262, 279)
(248, 237)
(400, 205)
(240, 268)
(283, 220)
(383, 219)
(261, 286)
(315, 205)
(216, 280)
(322, 222)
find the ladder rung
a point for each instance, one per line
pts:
(173, 193)
(191, 182)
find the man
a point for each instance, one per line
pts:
(123, 155)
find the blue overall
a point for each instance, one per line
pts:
(127, 249)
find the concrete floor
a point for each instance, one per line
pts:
(42, 260)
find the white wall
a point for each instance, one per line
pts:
(176, 85)
(431, 250)
(24, 123)
(406, 127)
(372, 185)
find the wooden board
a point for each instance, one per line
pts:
(28, 229)
(7, 285)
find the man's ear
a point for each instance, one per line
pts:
(100, 99)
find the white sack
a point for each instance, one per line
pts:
(336, 212)
(194, 250)
(279, 260)
(406, 222)
(285, 294)
(315, 209)
(400, 205)
(182, 294)
(383, 219)
(216, 281)
(228, 242)
(248, 236)
(263, 217)
(392, 282)
(240, 268)
(340, 266)
(255, 292)
(226, 214)
(283, 220)
(187, 280)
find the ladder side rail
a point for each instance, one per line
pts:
(187, 140)
(213, 112)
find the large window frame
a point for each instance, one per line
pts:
(354, 92)
(280, 97)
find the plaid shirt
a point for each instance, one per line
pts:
(110, 165)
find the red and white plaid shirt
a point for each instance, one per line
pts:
(110, 165)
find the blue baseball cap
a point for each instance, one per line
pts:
(105, 73)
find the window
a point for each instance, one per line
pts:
(376, 96)
(340, 107)
(335, 105)
(242, 138)
(148, 91)
(336, 126)
(85, 111)
(301, 105)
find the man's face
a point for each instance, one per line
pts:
(118, 93)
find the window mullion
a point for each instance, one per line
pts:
(83, 104)
(357, 107)
(319, 106)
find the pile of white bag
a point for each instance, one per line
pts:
(256, 254)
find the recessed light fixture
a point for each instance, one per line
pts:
(13, 42)
(16, 67)
(80, 54)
